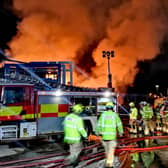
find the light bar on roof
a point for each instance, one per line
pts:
(69, 93)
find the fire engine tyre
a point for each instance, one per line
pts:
(88, 127)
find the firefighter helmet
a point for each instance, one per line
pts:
(77, 108)
(109, 105)
(131, 104)
(143, 103)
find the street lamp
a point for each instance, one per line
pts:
(108, 55)
(157, 89)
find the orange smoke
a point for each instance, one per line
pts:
(56, 30)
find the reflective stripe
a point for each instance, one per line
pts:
(70, 126)
(72, 138)
(28, 116)
(106, 126)
(81, 129)
(109, 126)
(49, 108)
(10, 110)
(107, 117)
(53, 110)
(108, 133)
(62, 114)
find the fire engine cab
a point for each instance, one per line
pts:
(34, 99)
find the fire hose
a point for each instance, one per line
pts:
(121, 150)
(32, 159)
(42, 157)
(124, 148)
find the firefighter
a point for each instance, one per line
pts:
(107, 126)
(135, 159)
(73, 132)
(164, 114)
(140, 122)
(147, 158)
(158, 117)
(147, 115)
(133, 117)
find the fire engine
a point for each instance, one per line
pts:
(34, 99)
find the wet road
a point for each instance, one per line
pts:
(151, 159)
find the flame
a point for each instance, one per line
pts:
(57, 30)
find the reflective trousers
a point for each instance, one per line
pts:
(149, 126)
(74, 150)
(109, 147)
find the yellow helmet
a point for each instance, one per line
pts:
(77, 108)
(109, 105)
(131, 104)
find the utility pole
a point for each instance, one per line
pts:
(108, 55)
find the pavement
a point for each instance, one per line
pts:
(5, 151)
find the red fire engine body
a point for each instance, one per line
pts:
(27, 112)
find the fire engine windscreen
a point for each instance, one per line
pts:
(13, 95)
(89, 103)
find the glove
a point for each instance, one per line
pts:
(94, 138)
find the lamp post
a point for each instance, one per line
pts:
(157, 89)
(108, 55)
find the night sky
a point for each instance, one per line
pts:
(151, 73)
(9, 22)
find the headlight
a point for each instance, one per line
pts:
(107, 94)
(58, 92)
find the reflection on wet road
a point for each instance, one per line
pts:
(150, 159)
(147, 159)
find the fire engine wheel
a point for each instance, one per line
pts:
(88, 127)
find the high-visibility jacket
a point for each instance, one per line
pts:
(108, 124)
(73, 129)
(133, 113)
(147, 112)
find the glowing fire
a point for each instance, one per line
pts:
(57, 30)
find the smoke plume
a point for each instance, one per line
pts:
(78, 31)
